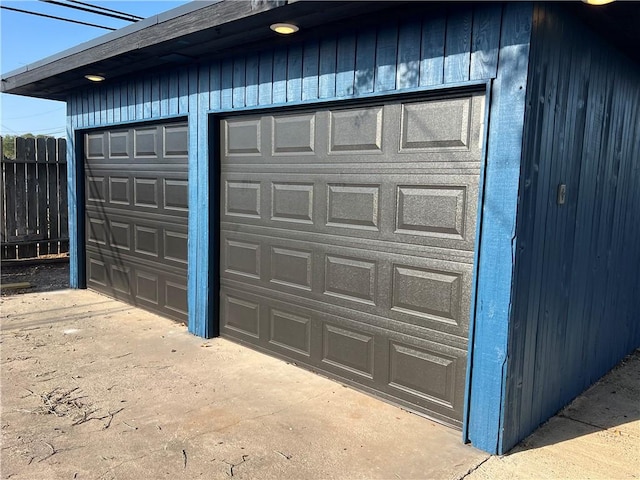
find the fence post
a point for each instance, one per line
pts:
(4, 234)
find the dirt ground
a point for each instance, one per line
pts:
(42, 277)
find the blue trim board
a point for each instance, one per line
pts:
(496, 255)
(200, 295)
(444, 89)
(72, 202)
(474, 282)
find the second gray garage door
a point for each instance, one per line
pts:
(347, 242)
(136, 216)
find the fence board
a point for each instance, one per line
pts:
(31, 196)
(63, 223)
(41, 191)
(52, 178)
(33, 199)
(10, 205)
(20, 195)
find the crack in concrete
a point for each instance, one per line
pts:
(473, 469)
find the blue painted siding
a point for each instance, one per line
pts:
(433, 47)
(576, 290)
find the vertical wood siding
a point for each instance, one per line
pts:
(577, 289)
(437, 46)
(454, 45)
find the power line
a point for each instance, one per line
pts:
(7, 128)
(40, 131)
(59, 109)
(106, 9)
(90, 10)
(55, 18)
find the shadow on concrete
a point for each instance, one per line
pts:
(611, 405)
(21, 322)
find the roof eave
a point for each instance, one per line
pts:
(55, 76)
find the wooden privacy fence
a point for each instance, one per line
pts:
(33, 200)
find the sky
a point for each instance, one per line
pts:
(25, 39)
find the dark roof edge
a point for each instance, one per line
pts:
(121, 32)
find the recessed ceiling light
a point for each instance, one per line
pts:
(597, 2)
(284, 28)
(94, 78)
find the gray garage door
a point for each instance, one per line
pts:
(347, 243)
(136, 216)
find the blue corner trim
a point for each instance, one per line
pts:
(72, 203)
(474, 283)
(496, 260)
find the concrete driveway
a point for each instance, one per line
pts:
(95, 389)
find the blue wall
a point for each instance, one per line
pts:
(577, 286)
(435, 47)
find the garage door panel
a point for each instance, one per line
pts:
(416, 290)
(242, 257)
(292, 202)
(164, 145)
(293, 135)
(153, 192)
(144, 238)
(290, 331)
(357, 320)
(431, 132)
(348, 350)
(168, 247)
(97, 273)
(347, 242)
(434, 210)
(259, 232)
(357, 131)
(438, 125)
(96, 188)
(291, 267)
(427, 374)
(119, 190)
(94, 147)
(143, 285)
(137, 214)
(176, 296)
(352, 278)
(422, 372)
(353, 206)
(102, 213)
(242, 315)
(363, 317)
(412, 370)
(429, 293)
